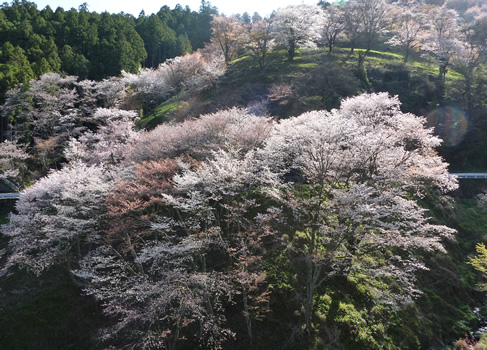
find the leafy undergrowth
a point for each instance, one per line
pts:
(444, 312)
(347, 318)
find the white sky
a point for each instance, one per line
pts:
(228, 7)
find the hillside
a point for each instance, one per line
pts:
(442, 313)
(235, 198)
(316, 80)
(93, 45)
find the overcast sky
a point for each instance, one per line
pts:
(228, 7)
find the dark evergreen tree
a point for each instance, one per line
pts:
(92, 45)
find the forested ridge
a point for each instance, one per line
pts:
(194, 180)
(93, 45)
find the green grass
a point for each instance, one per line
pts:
(307, 65)
(165, 108)
(381, 54)
(158, 115)
(240, 59)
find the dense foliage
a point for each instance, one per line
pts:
(92, 45)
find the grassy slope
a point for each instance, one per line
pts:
(244, 83)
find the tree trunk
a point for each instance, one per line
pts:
(248, 321)
(442, 72)
(172, 345)
(291, 51)
(406, 55)
(352, 47)
(362, 73)
(133, 252)
(468, 90)
(308, 307)
(312, 275)
(69, 270)
(263, 56)
(441, 84)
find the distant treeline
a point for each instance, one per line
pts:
(91, 45)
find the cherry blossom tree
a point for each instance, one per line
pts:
(41, 110)
(107, 93)
(260, 41)
(410, 26)
(12, 162)
(175, 241)
(333, 26)
(297, 26)
(197, 138)
(164, 216)
(110, 144)
(44, 115)
(367, 19)
(189, 72)
(55, 109)
(192, 72)
(160, 259)
(470, 53)
(134, 199)
(375, 18)
(355, 170)
(55, 216)
(353, 22)
(149, 85)
(221, 192)
(150, 270)
(442, 41)
(168, 304)
(229, 34)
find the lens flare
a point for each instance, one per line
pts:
(450, 123)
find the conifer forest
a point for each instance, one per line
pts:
(312, 179)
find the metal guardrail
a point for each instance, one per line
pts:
(10, 184)
(9, 196)
(13, 187)
(470, 175)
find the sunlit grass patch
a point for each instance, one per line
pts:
(240, 59)
(166, 108)
(307, 65)
(158, 115)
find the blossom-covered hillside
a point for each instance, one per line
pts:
(285, 187)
